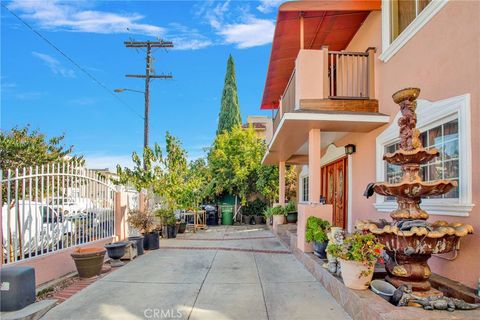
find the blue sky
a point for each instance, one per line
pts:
(42, 88)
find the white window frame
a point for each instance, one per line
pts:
(389, 49)
(430, 115)
(303, 175)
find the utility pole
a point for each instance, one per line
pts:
(148, 75)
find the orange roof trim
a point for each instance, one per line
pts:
(330, 23)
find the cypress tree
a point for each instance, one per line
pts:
(229, 116)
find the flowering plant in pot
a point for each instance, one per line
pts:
(145, 223)
(357, 255)
(316, 232)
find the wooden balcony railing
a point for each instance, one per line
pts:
(348, 74)
(342, 76)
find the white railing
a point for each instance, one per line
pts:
(51, 207)
(348, 72)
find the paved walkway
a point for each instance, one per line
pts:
(221, 273)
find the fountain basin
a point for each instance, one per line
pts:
(409, 251)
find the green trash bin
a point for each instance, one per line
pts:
(227, 215)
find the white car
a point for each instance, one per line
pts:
(72, 206)
(34, 228)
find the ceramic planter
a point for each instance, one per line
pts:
(115, 252)
(352, 274)
(139, 241)
(319, 249)
(151, 240)
(292, 217)
(278, 219)
(88, 261)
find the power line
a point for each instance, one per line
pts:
(111, 92)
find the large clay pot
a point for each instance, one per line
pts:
(88, 261)
(352, 274)
(278, 219)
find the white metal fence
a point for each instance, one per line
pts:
(51, 207)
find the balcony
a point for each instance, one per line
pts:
(324, 80)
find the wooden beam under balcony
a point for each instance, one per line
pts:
(350, 105)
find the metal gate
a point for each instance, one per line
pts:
(52, 207)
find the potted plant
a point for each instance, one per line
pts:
(316, 232)
(278, 215)
(182, 226)
(88, 261)
(253, 211)
(357, 255)
(144, 222)
(291, 212)
(169, 222)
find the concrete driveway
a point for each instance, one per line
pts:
(221, 273)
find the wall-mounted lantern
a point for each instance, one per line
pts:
(350, 149)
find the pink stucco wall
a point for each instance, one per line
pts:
(443, 60)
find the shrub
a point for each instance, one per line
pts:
(290, 207)
(143, 221)
(316, 229)
(254, 207)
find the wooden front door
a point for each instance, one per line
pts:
(334, 189)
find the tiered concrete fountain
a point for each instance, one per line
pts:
(410, 240)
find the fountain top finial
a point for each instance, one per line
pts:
(407, 94)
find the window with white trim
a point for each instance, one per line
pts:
(305, 184)
(444, 138)
(402, 19)
(444, 125)
(402, 13)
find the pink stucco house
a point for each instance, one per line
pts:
(333, 68)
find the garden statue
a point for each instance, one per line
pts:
(404, 296)
(335, 236)
(410, 240)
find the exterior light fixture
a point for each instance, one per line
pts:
(350, 149)
(119, 90)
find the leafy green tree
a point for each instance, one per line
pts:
(144, 175)
(229, 116)
(267, 183)
(23, 147)
(180, 185)
(234, 161)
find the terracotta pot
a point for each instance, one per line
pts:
(278, 219)
(351, 274)
(88, 261)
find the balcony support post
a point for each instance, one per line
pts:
(371, 72)
(314, 155)
(281, 182)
